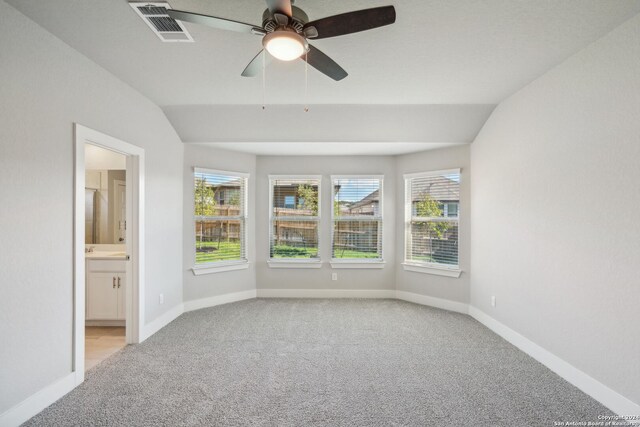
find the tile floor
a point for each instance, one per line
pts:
(100, 342)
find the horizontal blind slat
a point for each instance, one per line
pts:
(432, 230)
(294, 210)
(220, 216)
(357, 218)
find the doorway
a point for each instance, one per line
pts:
(108, 247)
(106, 252)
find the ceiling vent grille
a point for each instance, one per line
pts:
(166, 28)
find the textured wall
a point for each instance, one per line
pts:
(555, 202)
(46, 87)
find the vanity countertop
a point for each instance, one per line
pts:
(118, 256)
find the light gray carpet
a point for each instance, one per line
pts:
(300, 362)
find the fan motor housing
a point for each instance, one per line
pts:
(296, 22)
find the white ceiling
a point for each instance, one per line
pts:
(345, 123)
(456, 54)
(437, 52)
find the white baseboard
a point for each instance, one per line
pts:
(161, 321)
(171, 315)
(35, 403)
(218, 300)
(445, 304)
(325, 293)
(619, 404)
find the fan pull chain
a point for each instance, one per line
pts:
(264, 80)
(306, 82)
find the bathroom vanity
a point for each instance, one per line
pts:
(106, 284)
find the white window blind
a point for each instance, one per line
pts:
(432, 208)
(220, 201)
(294, 217)
(357, 218)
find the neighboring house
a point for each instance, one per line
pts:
(369, 205)
(287, 202)
(227, 198)
(285, 196)
(227, 193)
(361, 236)
(443, 190)
(431, 242)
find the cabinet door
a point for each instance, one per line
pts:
(122, 296)
(102, 296)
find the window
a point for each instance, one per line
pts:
(220, 217)
(290, 202)
(431, 219)
(357, 218)
(450, 209)
(294, 217)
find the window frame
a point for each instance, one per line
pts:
(424, 266)
(224, 265)
(295, 262)
(359, 262)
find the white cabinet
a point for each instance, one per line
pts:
(122, 292)
(106, 290)
(102, 296)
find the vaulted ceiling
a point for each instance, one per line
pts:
(452, 60)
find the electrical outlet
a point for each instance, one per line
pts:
(334, 276)
(161, 298)
(493, 301)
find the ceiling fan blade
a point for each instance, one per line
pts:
(282, 6)
(321, 62)
(255, 66)
(350, 22)
(215, 22)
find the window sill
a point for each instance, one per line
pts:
(209, 268)
(294, 264)
(357, 264)
(438, 271)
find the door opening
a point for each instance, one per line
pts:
(106, 252)
(108, 247)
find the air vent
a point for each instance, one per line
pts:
(152, 10)
(156, 17)
(164, 24)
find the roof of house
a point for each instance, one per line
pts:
(374, 197)
(439, 188)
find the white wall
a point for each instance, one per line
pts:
(449, 288)
(46, 87)
(362, 279)
(211, 285)
(555, 211)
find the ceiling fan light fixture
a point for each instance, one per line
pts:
(285, 45)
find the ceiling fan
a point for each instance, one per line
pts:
(286, 30)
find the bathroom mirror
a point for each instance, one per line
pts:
(105, 206)
(105, 195)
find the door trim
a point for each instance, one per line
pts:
(134, 237)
